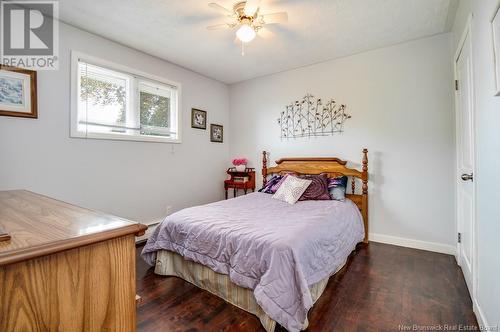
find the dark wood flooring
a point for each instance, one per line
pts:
(382, 288)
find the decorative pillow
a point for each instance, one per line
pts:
(337, 188)
(273, 184)
(318, 190)
(291, 189)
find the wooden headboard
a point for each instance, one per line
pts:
(333, 167)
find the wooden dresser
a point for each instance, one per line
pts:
(65, 268)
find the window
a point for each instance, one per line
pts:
(111, 102)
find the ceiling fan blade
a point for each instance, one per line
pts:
(219, 26)
(265, 33)
(220, 9)
(273, 18)
(251, 7)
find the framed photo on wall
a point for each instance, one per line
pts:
(18, 92)
(495, 25)
(198, 119)
(216, 133)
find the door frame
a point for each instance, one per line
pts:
(466, 33)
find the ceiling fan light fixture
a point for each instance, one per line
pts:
(247, 20)
(246, 33)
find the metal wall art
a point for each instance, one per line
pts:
(310, 117)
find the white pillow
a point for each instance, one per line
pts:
(291, 189)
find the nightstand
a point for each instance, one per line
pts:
(240, 180)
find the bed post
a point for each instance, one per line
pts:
(264, 168)
(364, 202)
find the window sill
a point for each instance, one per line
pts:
(124, 137)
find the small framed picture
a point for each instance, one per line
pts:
(18, 92)
(495, 25)
(216, 133)
(198, 119)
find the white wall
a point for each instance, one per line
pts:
(400, 99)
(487, 176)
(136, 180)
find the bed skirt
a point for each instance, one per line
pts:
(172, 264)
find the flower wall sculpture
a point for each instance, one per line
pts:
(310, 117)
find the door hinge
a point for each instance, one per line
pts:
(459, 237)
(456, 85)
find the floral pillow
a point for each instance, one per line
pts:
(337, 188)
(291, 189)
(318, 190)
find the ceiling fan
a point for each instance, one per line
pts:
(246, 17)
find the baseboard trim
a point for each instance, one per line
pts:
(481, 320)
(411, 243)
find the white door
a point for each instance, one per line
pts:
(465, 162)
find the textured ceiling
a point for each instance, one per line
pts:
(318, 30)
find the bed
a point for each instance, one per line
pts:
(263, 255)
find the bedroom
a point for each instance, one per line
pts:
(141, 112)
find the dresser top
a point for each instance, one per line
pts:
(39, 226)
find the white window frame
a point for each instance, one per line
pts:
(153, 87)
(147, 78)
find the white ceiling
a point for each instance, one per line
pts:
(318, 30)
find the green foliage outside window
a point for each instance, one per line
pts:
(103, 93)
(154, 109)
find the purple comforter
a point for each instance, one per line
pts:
(270, 246)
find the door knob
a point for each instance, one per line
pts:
(467, 177)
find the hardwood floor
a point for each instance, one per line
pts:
(382, 288)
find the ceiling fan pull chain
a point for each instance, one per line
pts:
(242, 49)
